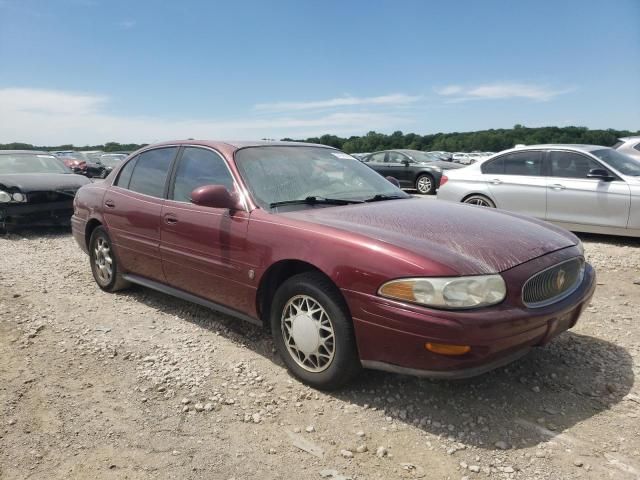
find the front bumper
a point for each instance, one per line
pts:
(36, 215)
(392, 335)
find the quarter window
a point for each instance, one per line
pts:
(570, 164)
(637, 147)
(199, 167)
(124, 177)
(150, 173)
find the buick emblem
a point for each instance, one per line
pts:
(560, 279)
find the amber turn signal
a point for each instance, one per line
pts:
(447, 349)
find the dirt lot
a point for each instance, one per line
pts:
(141, 385)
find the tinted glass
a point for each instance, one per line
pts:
(637, 147)
(150, 172)
(125, 174)
(523, 163)
(377, 158)
(199, 167)
(570, 164)
(495, 166)
(395, 157)
(625, 164)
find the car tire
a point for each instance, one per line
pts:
(104, 265)
(320, 348)
(479, 200)
(426, 184)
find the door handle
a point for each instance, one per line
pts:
(557, 186)
(496, 181)
(170, 220)
(109, 204)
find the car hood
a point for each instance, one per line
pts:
(38, 182)
(470, 240)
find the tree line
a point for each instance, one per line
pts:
(493, 140)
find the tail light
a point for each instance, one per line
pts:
(444, 180)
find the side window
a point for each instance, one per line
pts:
(495, 167)
(570, 164)
(395, 157)
(150, 173)
(377, 158)
(125, 174)
(637, 147)
(199, 167)
(523, 163)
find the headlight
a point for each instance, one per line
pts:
(448, 292)
(4, 197)
(19, 197)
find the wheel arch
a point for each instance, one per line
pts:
(480, 194)
(88, 231)
(276, 275)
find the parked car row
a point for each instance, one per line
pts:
(92, 164)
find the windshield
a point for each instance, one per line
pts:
(30, 163)
(621, 162)
(279, 174)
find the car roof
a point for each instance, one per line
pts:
(238, 144)
(35, 152)
(628, 139)
(565, 146)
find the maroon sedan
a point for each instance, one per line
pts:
(345, 269)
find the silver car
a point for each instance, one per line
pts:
(584, 188)
(629, 146)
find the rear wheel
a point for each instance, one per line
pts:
(313, 331)
(426, 184)
(104, 265)
(479, 200)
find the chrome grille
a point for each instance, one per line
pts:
(553, 284)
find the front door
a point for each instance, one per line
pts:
(399, 166)
(202, 247)
(132, 210)
(574, 198)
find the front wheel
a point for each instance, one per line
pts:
(479, 200)
(426, 184)
(313, 331)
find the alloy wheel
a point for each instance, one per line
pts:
(103, 260)
(481, 202)
(308, 333)
(424, 184)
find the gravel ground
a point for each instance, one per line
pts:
(141, 385)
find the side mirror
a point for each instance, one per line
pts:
(405, 163)
(215, 196)
(393, 180)
(600, 173)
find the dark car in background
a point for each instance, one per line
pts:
(412, 168)
(35, 189)
(345, 269)
(84, 163)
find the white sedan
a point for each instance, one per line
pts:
(584, 188)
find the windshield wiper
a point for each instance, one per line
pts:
(313, 200)
(383, 196)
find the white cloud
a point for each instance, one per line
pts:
(494, 91)
(51, 117)
(393, 99)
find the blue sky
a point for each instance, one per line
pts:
(89, 71)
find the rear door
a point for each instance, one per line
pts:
(132, 209)
(377, 163)
(203, 248)
(517, 183)
(574, 198)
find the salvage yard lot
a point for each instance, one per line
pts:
(141, 385)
